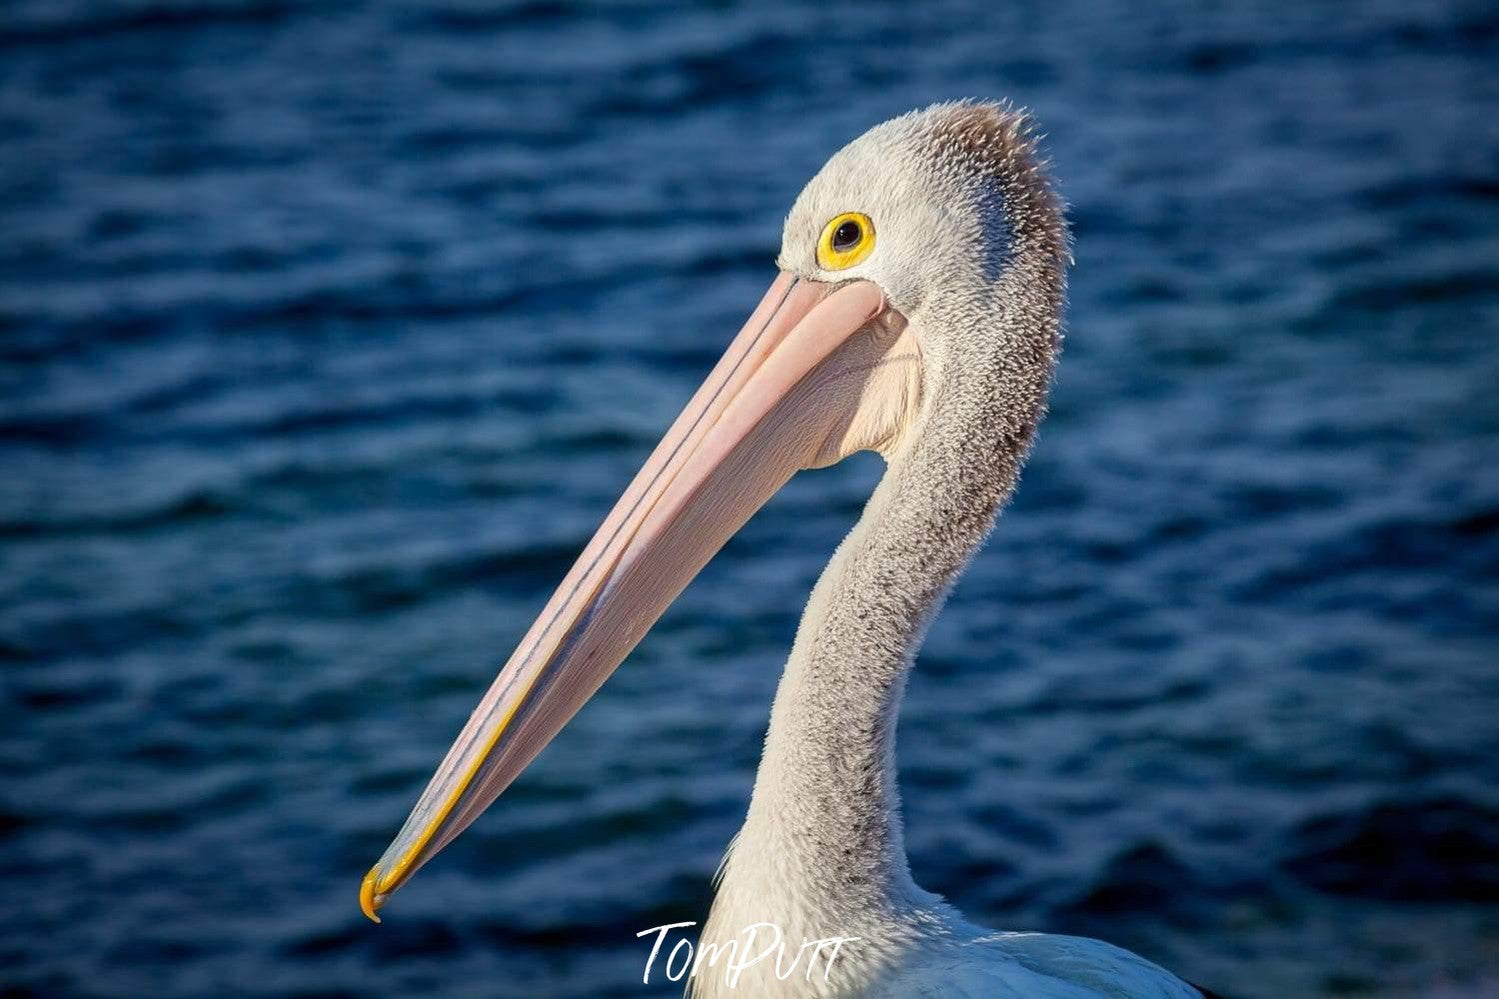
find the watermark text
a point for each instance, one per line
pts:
(756, 943)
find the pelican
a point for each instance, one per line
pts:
(917, 313)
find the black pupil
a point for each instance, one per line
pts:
(847, 235)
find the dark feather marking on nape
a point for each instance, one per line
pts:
(999, 143)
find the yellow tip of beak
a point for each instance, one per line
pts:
(369, 901)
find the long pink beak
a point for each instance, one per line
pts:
(756, 420)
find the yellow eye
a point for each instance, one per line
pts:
(846, 240)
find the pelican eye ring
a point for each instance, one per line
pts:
(846, 240)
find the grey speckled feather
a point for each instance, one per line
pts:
(972, 248)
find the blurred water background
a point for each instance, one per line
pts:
(328, 332)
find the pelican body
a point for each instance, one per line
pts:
(917, 314)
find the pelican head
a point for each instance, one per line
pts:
(915, 314)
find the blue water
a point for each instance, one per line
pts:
(328, 332)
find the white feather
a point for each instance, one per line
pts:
(972, 248)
